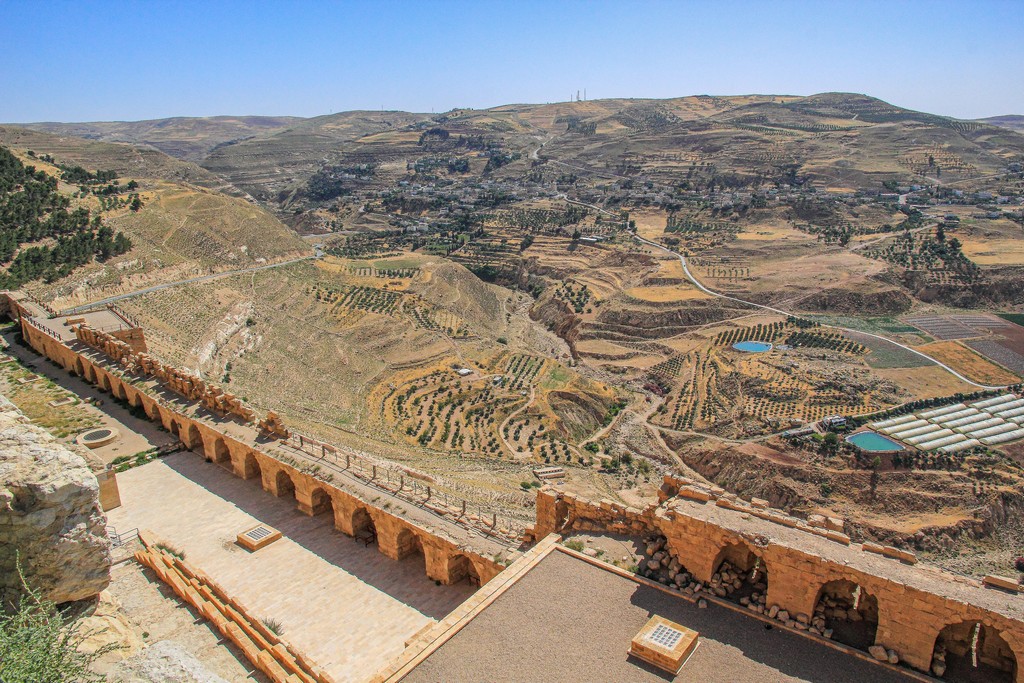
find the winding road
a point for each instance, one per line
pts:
(176, 283)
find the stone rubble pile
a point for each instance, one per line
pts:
(659, 565)
(939, 660)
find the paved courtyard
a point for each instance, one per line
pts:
(346, 606)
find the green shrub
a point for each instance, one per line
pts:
(274, 626)
(38, 644)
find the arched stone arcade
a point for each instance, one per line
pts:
(190, 436)
(250, 467)
(399, 537)
(219, 453)
(359, 525)
(461, 568)
(284, 486)
(321, 502)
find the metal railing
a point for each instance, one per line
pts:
(119, 539)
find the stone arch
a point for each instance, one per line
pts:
(134, 399)
(973, 652)
(284, 486)
(117, 390)
(173, 429)
(321, 502)
(103, 382)
(362, 526)
(190, 436)
(251, 467)
(849, 611)
(408, 543)
(77, 367)
(740, 574)
(462, 568)
(221, 453)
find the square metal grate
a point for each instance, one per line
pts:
(665, 636)
(257, 534)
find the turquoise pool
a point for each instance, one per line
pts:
(873, 443)
(752, 346)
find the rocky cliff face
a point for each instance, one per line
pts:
(50, 515)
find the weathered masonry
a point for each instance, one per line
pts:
(448, 557)
(929, 617)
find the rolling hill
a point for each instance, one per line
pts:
(187, 226)
(188, 138)
(838, 140)
(1011, 121)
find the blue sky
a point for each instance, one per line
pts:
(85, 61)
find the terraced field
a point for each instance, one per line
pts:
(512, 407)
(811, 373)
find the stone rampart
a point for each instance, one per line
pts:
(187, 385)
(923, 614)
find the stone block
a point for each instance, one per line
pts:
(898, 554)
(994, 581)
(693, 493)
(879, 653)
(838, 537)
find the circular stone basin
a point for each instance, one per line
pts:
(873, 443)
(752, 346)
(94, 438)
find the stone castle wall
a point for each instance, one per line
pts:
(446, 561)
(915, 604)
